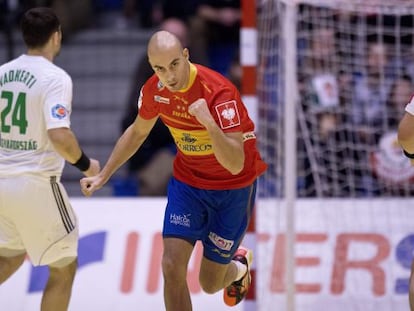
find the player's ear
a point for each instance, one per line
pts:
(57, 36)
(186, 53)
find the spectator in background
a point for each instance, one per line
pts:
(235, 73)
(184, 10)
(74, 15)
(368, 111)
(152, 13)
(187, 11)
(215, 32)
(388, 163)
(371, 89)
(321, 102)
(401, 91)
(9, 13)
(148, 11)
(319, 78)
(152, 164)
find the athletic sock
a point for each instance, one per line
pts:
(241, 269)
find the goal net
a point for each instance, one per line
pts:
(355, 70)
(353, 67)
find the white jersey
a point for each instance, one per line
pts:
(410, 106)
(35, 95)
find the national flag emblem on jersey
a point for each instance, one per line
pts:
(59, 111)
(228, 114)
(162, 100)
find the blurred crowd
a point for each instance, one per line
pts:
(355, 76)
(212, 25)
(209, 28)
(354, 82)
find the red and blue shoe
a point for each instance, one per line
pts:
(236, 291)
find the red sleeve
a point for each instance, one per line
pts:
(148, 107)
(229, 111)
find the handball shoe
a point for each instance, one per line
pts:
(236, 291)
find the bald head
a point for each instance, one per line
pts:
(169, 60)
(163, 41)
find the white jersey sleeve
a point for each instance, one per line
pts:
(58, 101)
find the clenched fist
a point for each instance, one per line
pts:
(199, 109)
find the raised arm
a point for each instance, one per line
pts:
(406, 134)
(228, 147)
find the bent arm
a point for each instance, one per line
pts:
(406, 132)
(65, 143)
(129, 142)
(228, 148)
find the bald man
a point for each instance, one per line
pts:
(152, 165)
(212, 192)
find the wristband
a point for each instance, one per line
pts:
(83, 163)
(408, 155)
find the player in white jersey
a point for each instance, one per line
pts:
(406, 141)
(36, 218)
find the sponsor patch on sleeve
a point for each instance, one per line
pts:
(59, 111)
(228, 114)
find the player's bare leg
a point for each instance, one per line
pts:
(234, 277)
(9, 264)
(56, 295)
(215, 276)
(175, 259)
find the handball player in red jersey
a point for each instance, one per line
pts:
(212, 192)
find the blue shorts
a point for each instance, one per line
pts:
(218, 218)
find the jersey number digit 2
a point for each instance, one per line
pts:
(17, 109)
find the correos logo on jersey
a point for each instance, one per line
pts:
(192, 142)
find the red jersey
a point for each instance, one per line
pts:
(195, 163)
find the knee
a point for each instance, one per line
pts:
(172, 269)
(209, 288)
(14, 262)
(9, 265)
(209, 285)
(12, 257)
(63, 273)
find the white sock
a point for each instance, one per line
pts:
(241, 269)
